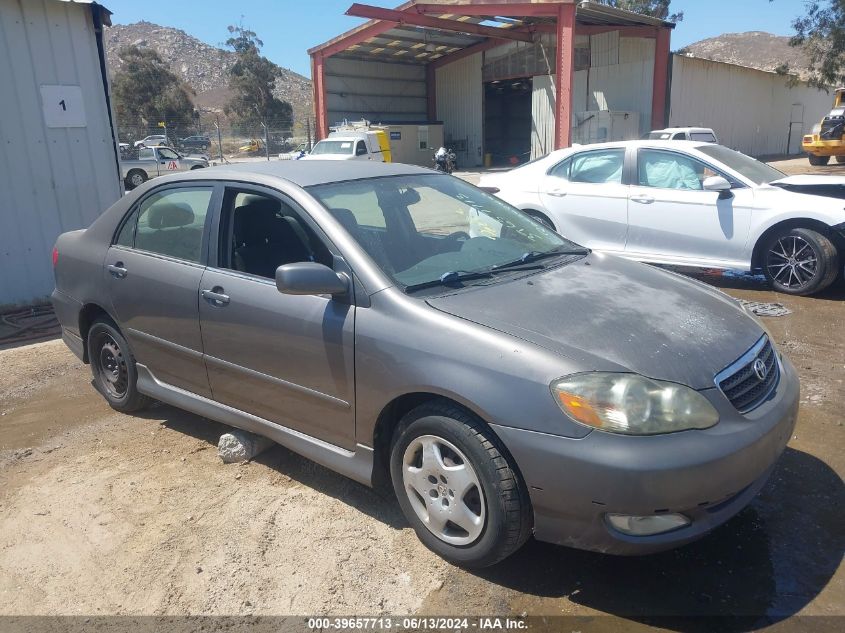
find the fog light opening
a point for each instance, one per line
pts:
(647, 525)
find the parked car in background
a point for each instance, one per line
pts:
(300, 151)
(685, 203)
(155, 161)
(197, 142)
(153, 140)
(701, 134)
(399, 325)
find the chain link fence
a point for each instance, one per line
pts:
(213, 136)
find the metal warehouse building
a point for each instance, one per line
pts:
(58, 153)
(509, 80)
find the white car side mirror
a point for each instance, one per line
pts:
(716, 183)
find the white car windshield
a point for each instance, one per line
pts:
(422, 230)
(333, 147)
(755, 171)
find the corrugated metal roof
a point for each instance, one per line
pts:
(420, 45)
(107, 12)
(602, 14)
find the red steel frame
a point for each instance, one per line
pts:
(565, 30)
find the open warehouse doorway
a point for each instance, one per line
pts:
(507, 121)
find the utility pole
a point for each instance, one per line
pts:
(219, 137)
(266, 143)
(308, 132)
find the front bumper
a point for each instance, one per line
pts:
(707, 475)
(824, 148)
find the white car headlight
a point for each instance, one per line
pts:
(632, 404)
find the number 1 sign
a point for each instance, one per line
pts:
(63, 106)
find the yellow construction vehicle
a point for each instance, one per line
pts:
(828, 137)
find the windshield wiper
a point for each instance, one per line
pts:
(533, 256)
(450, 277)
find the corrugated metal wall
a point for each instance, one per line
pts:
(621, 76)
(542, 115)
(377, 91)
(459, 106)
(750, 110)
(51, 179)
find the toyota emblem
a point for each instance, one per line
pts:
(760, 370)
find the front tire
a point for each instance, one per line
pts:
(113, 367)
(457, 488)
(800, 261)
(818, 161)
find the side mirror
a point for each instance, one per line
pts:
(716, 183)
(309, 278)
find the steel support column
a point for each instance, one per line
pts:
(661, 79)
(564, 75)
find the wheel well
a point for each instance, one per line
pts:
(786, 225)
(388, 421)
(90, 312)
(536, 213)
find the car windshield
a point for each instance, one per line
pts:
(755, 171)
(429, 229)
(333, 147)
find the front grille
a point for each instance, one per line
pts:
(740, 382)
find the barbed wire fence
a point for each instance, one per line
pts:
(211, 134)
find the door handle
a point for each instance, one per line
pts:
(117, 270)
(215, 296)
(642, 199)
(557, 193)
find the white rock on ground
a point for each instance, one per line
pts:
(239, 446)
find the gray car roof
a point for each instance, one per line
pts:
(317, 172)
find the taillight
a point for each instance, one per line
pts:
(55, 256)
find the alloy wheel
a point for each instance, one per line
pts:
(792, 262)
(443, 489)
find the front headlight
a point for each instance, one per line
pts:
(632, 404)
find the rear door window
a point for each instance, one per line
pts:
(169, 222)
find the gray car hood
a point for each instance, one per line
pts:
(611, 314)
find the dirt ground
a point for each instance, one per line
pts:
(103, 513)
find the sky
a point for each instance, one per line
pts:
(290, 27)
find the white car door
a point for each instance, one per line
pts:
(585, 198)
(672, 219)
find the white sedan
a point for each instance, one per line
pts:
(687, 203)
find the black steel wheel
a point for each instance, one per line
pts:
(800, 261)
(113, 367)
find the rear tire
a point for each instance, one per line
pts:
(135, 178)
(818, 161)
(457, 488)
(800, 261)
(542, 218)
(196, 167)
(113, 367)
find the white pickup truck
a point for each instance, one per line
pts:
(352, 145)
(155, 161)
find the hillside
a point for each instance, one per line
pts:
(203, 67)
(754, 48)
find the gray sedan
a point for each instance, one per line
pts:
(399, 325)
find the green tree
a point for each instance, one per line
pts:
(821, 33)
(654, 8)
(251, 80)
(145, 92)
